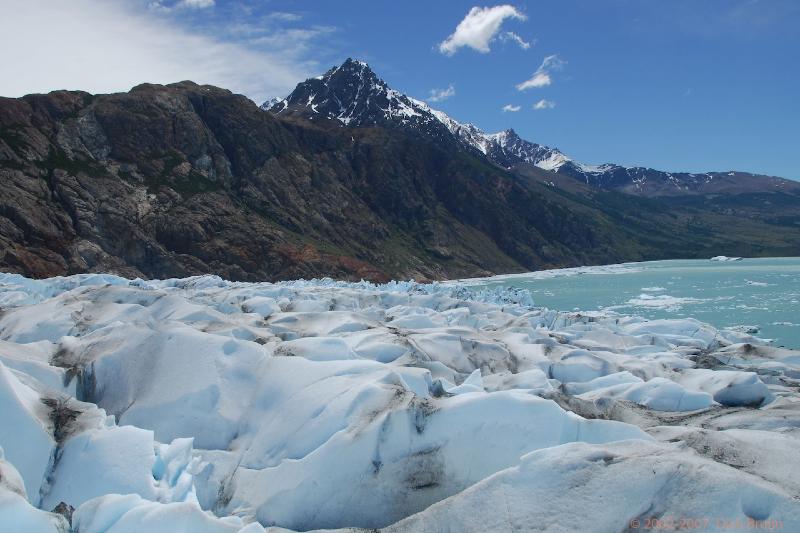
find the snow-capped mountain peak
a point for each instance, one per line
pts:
(351, 94)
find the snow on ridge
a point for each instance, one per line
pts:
(413, 112)
(316, 404)
(553, 162)
(504, 148)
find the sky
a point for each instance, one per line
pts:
(677, 85)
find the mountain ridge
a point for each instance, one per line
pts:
(354, 96)
(184, 179)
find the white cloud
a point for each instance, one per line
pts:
(544, 104)
(102, 46)
(511, 36)
(437, 95)
(479, 28)
(198, 4)
(542, 78)
(159, 5)
(301, 39)
(539, 79)
(284, 16)
(508, 108)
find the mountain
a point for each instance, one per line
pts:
(184, 179)
(352, 95)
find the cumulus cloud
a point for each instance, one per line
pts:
(479, 28)
(437, 95)
(102, 46)
(544, 104)
(511, 36)
(509, 108)
(542, 77)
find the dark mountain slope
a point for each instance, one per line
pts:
(184, 179)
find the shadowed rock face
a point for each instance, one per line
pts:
(184, 179)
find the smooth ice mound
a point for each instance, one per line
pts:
(204, 405)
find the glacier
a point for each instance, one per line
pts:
(200, 404)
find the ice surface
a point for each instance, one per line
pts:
(613, 487)
(16, 512)
(203, 405)
(25, 432)
(132, 514)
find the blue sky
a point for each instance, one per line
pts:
(671, 84)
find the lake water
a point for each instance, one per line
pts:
(752, 292)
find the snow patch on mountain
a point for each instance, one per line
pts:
(354, 96)
(351, 94)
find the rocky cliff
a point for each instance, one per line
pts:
(185, 179)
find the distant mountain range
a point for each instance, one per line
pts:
(352, 95)
(344, 178)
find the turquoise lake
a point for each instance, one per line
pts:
(751, 292)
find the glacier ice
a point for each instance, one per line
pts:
(199, 404)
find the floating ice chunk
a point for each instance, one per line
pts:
(663, 301)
